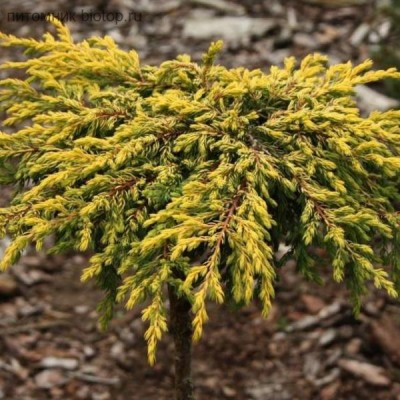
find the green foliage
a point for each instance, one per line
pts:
(191, 174)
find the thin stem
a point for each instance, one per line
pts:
(181, 330)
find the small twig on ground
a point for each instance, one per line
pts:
(94, 379)
(34, 326)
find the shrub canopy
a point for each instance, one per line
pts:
(192, 174)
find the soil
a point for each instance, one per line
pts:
(241, 355)
(50, 343)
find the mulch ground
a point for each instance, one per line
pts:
(311, 347)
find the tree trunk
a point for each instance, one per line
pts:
(181, 330)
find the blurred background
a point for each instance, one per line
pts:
(311, 347)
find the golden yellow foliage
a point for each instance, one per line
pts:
(191, 174)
